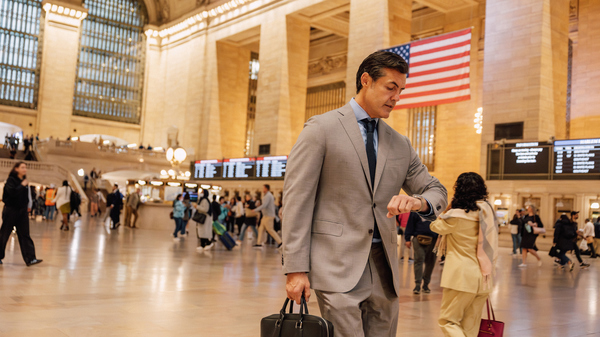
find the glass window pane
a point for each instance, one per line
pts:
(107, 81)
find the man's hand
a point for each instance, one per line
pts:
(296, 285)
(407, 243)
(403, 204)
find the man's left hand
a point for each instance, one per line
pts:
(403, 204)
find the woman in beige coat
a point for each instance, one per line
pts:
(470, 243)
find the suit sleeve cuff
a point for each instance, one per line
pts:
(427, 214)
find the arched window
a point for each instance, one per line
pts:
(19, 52)
(110, 67)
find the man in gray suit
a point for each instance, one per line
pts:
(339, 237)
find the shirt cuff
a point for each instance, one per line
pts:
(430, 213)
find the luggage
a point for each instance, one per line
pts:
(300, 324)
(227, 241)
(219, 228)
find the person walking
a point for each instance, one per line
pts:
(403, 220)
(597, 235)
(204, 230)
(470, 244)
(516, 227)
(86, 180)
(249, 219)
(564, 240)
(269, 212)
(50, 204)
(17, 202)
(63, 203)
(588, 236)
(132, 203)
(187, 212)
(95, 200)
(339, 238)
(419, 236)
(529, 235)
(115, 203)
(239, 213)
(574, 218)
(178, 210)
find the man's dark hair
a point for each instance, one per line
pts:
(268, 186)
(376, 62)
(214, 198)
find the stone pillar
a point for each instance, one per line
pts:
(523, 78)
(281, 93)
(374, 25)
(585, 116)
(57, 80)
(232, 68)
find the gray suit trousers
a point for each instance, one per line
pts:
(371, 308)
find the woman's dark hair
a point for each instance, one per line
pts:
(65, 183)
(178, 196)
(469, 189)
(13, 172)
(238, 198)
(205, 193)
(375, 63)
(186, 196)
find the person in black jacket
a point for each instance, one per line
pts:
(564, 236)
(114, 201)
(423, 242)
(17, 203)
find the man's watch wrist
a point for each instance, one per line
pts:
(423, 203)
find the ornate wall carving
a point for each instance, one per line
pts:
(327, 64)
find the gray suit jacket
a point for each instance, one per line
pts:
(330, 205)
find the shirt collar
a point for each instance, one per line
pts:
(360, 113)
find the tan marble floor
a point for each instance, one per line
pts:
(97, 282)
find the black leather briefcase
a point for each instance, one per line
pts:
(295, 325)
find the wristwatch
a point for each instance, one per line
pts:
(423, 202)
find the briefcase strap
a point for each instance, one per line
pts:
(303, 311)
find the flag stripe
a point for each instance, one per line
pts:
(434, 97)
(433, 50)
(435, 92)
(448, 36)
(436, 86)
(437, 80)
(442, 64)
(440, 59)
(430, 103)
(424, 79)
(433, 71)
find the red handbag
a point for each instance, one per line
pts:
(490, 327)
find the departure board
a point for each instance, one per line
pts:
(577, 156)
(271, 167)
(208, 169)
(238, 168)
(527, 158)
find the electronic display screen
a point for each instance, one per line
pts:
(270, 167)
(208, 169)
(527, 158)
(238, 168)
(577, 156)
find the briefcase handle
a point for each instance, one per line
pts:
(303, 311)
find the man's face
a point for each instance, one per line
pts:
(380, 96)
(575, 217)
(265, 190)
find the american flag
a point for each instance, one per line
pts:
(438, 70)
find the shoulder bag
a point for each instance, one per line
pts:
(490, 327)
(295, 325)
(424, 240)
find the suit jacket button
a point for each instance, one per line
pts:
(370, 231)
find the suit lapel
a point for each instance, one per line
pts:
(383, 149)
(348, 120)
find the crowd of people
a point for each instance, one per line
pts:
(235, 215)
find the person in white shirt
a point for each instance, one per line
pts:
(63, 203)
(588, 236)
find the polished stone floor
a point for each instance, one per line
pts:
(98, 282)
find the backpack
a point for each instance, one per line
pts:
(75, 199)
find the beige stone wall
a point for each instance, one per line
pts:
(585, 115)
(233, 97)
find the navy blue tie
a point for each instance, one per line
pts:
(372, 157)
